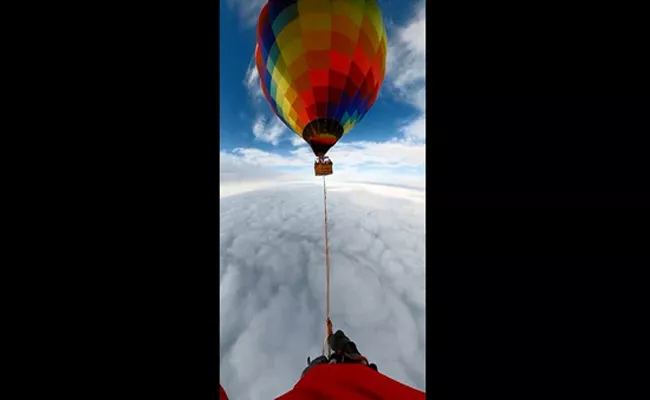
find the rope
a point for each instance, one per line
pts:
(328, 321)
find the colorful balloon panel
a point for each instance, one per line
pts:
(321, 64)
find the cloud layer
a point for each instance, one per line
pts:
(399, 162)
(272, 282)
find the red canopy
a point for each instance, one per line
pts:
(346, 381)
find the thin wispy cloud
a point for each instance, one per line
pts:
(406, 60)
(406, 69)
(252, 81)
(297, 141)
(415, 130)
(248, 10)
(269, 129)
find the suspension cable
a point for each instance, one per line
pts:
(328, 321)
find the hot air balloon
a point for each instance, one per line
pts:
(321, 64)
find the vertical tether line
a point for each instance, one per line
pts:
(328, 322)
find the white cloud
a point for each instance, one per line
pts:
(244, 170)
(242, 165)
(272, 283)
(396, 153)
(298, 141)
(415, 130)
(248, 10)
(406, 59)
(397, 162)
(252, 81)
(269, 129)
(399, 153)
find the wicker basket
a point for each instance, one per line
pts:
(322, 169)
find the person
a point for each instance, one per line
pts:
(346, 374)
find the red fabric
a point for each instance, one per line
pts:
(346, 382)
(349, 381)
(222, 393)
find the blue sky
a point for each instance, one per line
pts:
(386, 147)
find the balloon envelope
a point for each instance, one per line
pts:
(321, 64)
